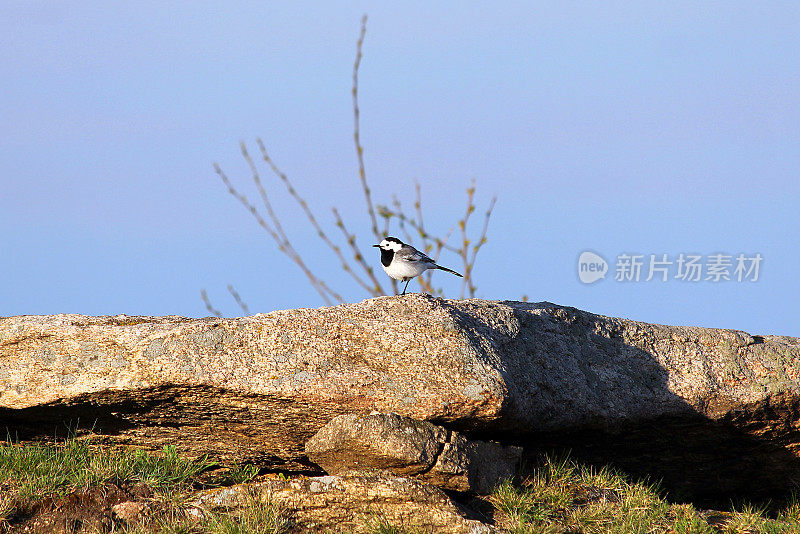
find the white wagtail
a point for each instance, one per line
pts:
(404, 262)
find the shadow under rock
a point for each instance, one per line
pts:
(575, 384)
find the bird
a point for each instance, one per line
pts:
(403, 262)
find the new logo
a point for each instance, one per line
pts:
(591, 267)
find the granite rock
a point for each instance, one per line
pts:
(352, 502)
(407, 447)
(257, 388)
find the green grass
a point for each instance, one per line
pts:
(35, 471)
(560, 496)
(240, 474)
(563, 496)
(45, 469)
(256, 517)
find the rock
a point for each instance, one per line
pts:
(376, 441)
(349, 503)
(128, 511)
(412, 448)
(473, 465)
(257, 388)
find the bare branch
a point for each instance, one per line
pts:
(426, 281)
(387, 215)
(357, 132)
(283, 244)
(215, 312)
(464, 248)
(410, 226)
(442, 243)
(317, 228)
(481, 241)
(403, 220)
(357, 256)
(242, 304)
(246, 203)
(418, 209)
(438, 243)
(322, 285)
(263, 192)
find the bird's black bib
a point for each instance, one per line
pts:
(386, 257)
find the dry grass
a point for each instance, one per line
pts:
(565, 497)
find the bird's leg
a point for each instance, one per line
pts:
(404, 289)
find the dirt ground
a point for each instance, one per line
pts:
(97, 509)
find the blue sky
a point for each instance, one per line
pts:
(620, 128)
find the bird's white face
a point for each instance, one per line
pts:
(390, 245)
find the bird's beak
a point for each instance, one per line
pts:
(376, 245)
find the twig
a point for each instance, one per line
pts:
(263, 192)
(283, 244)
(387, 218)
(427, 279)
(403, 220)
(420, 224)
(480, 243)
(242, 304)
(357, 131)
(430, 244)
(357, 256)
(246, 203)
(317, 228)
(464, 249)
(215, 312)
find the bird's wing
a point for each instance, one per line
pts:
(413, 255)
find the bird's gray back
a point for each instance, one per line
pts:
(409, 253)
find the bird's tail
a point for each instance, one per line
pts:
(449, 270)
